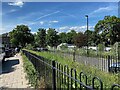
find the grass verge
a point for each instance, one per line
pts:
(30, 71)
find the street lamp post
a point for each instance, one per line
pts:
(87, 33)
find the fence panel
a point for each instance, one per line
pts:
(103, 63)
(56, 76)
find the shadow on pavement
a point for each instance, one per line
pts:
(7, 66)
(3, 88)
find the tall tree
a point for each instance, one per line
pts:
(63, 37)
(89, 35)
(70, 36)
(41, 37)
(21, 35)
(80, 40)
(52, 37)
(108, 29)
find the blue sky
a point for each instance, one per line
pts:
(63, 16)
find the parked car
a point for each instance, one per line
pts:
(2, 54)
(9, 53)
(41, 49)
(115, 67)
(44, 49)
(2, 57)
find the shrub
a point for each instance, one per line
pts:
(101, 47)
(29, 46)
(31, 72)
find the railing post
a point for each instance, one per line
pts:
(74, 55)
(93, 83)
(54, 75)
(108, 63)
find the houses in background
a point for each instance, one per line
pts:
(5, 40)
(96, 48)
(71, 47)
(65, 45)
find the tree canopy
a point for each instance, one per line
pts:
(80, 40)
(108, 30)
(63, 37)
(41, 38)
(21, 35)
(52, 37)
(70, 36)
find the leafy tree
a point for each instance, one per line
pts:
(21, 36)
(41, 38)
(70, 36)
(96, 38)
(80, 40)
(108, 29)
(63, 37)
(89, 35)
(52, 37)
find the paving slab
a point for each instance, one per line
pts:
(13, 75)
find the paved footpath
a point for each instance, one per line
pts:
(13, 75)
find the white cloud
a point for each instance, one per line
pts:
(5, 29)
(41, 22)
(55, 21)
(17, 3)
(63, 29)
(33, 32)
(103, 9)
(76, 28)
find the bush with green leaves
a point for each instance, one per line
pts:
(32, 75)
(101, 47)
(29, 46)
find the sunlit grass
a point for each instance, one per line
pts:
(108, 78)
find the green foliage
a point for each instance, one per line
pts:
(80, 40)
(20, 36)
(63, 47)
(89, 36)
(29, 46)
(52, 38)
(70, 36)
(63, 37)
(101, 47)
(32, 75)
(108, 30)
(107, 78)
(41, 38)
